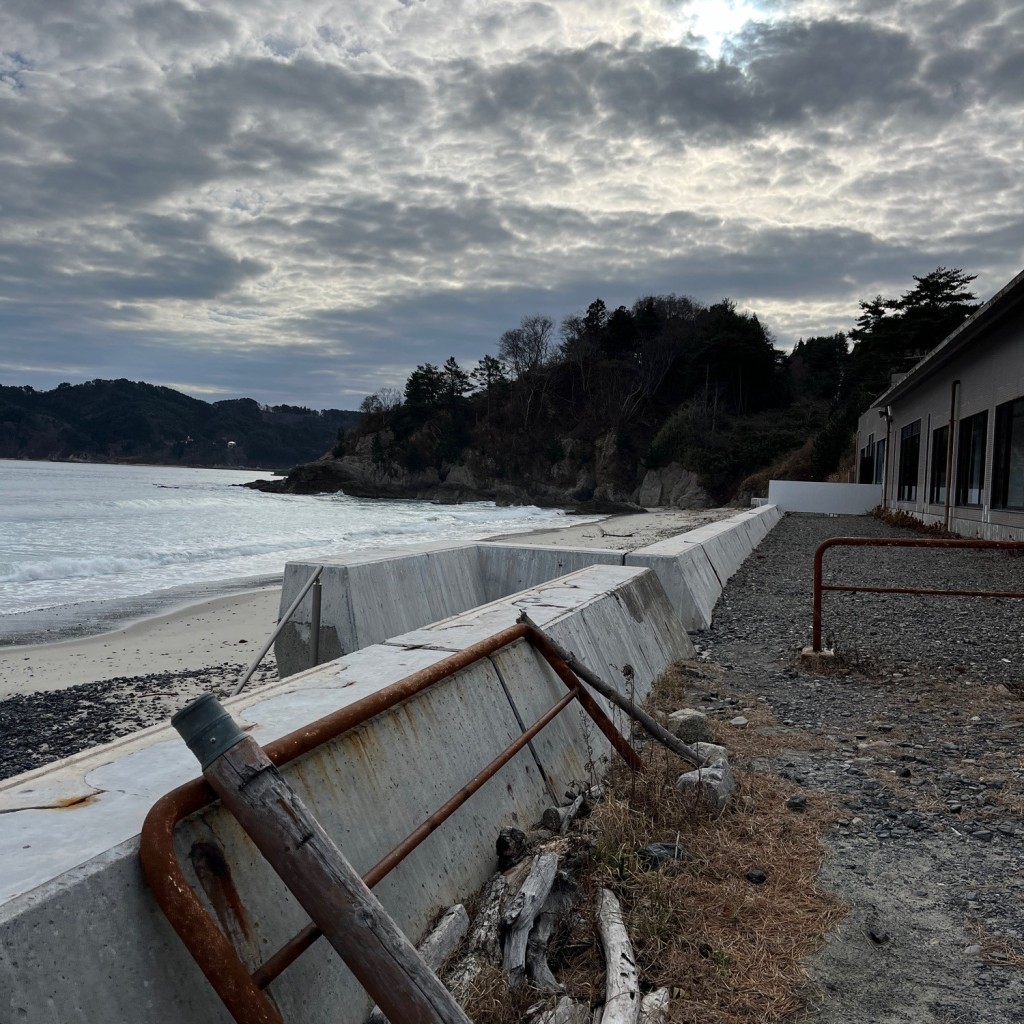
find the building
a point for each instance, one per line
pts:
(946, 441)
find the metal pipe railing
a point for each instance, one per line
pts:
(242, 990)
(314, 637)
(899, 542)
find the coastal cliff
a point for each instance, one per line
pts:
(591, 477)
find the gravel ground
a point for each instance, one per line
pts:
(38, 728)
(922, 735)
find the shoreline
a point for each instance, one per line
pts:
(216, 626)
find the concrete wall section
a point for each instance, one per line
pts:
(823, 498)
(75, 907)
(695, 566)
(687, 576)
(508, 568)
(367, 598)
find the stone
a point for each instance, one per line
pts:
(797, 802)
(691, 726)
(709, 753)
(712, 786)
(757, 877)
(654, 855)
(739, 722)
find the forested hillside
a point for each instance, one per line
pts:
(124, 421)
(667, 401)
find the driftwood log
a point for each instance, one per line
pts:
(522, 912)
(559, 902)
(436, 947)
(557, 819)
(657, 731)
(622, 986)
(483, 943)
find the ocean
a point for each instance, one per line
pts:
(88, 546)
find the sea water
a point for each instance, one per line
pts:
(72, 534)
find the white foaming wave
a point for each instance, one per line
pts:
(112, 565)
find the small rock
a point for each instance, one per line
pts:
(739, 722)
(797, 802)
(983, 834)
(973, 950)
(713, 785)
(654, 855)
(912, 821)
(691, 726)
(709, 753)
(757, 877)
(903, 772)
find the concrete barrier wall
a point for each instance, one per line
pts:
(824, 498)
(369, 597)
(82, 941)
(695, 566)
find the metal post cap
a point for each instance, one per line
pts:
(207, 728)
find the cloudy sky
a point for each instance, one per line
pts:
(301, 201)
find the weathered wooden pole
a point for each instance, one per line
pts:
(383, 960)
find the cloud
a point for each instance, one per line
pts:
(316, 199)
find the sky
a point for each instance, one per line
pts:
(301, 202)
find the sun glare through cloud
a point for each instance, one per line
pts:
(716, 21)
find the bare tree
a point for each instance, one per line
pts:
(527, 347)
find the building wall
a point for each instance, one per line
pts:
(991, 372)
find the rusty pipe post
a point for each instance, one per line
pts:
(819, 554)
(314, 624)
(295, 845)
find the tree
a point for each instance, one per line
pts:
(425, 386)
(527, 347)
(491, 378)
(455, 383)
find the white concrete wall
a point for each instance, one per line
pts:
(82, 940)
(367, 597)
(824, 498)
(695, 566)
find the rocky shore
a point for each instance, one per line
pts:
(588, 480)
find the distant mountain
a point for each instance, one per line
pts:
(127, 421)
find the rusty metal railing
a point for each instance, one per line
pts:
(241, 990)
(900, 542)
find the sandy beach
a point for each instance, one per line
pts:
(224, 630)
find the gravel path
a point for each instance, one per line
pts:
(923, 736)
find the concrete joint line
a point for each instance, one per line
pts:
(713, 569)
(522, 729)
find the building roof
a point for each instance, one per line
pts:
(1007, 299)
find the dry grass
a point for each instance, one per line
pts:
(731, 951)
(998, 952)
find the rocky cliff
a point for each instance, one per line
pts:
(590, 477)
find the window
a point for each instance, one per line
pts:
(866, 473)
(879, 462)
(910, 457)
(940, 451)
(1008, 463)
(970, 459)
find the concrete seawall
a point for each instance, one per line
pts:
(82, 939)
(366, 598)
